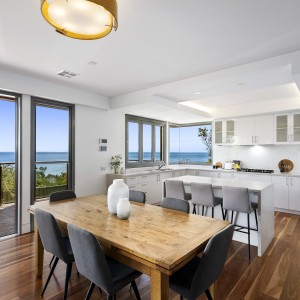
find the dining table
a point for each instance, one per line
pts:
(153, 240)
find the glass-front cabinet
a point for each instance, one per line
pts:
(287, 128)
(224, 132)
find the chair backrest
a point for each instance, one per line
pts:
(236, 199)
(137, 196)
(51, 236)
(89, 257)
(176, 204)
(62, 195)
(213, 260)
(175, 189)
(202, 193)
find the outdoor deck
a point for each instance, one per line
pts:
(7, 219)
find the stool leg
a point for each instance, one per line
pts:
(248, 235)
(202, 210)
(256, 219)
(194, 209)
(232, 217)
(212, 212)
(222, 212)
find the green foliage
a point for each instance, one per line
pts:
(205, 136)
(8, 182)
(43, 180)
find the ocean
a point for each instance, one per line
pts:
(58, 168)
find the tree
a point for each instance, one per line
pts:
(205, 135)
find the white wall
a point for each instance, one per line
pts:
(259, 157)
(90, 125)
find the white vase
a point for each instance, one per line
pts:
(123, 208)
(117, 190)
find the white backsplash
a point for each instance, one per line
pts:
(258, 157)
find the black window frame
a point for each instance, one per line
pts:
(175, 125)
(145, 121)
(38, 101)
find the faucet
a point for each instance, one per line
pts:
(162, 165)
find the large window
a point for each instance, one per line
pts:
(9, 128)
(145, 142)
(53, 147)
(190, 144)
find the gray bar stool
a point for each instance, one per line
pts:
(202, 194)
(237, 199)
(175, 189)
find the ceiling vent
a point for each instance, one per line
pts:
(67, 74)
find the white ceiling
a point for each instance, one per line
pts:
(164, 52)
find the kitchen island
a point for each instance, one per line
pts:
(260, 192)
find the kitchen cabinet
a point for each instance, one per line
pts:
(286, 192)
(229, 175)
(224, 132)
(255, 130)
(287, 128)
(201, 173)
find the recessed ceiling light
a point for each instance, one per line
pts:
(241, 83)
(92, 63)
(197, 93)
(67, 74)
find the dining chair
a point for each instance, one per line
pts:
(202, 194)
(176, 204)
(103, 271)
(237, 200)
(137, 196)
(54, 242)
(195, 278)
(175, 189)
(58, 196)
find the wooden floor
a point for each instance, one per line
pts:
(7, 219)
(276, 275)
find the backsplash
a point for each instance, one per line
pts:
(258, 157)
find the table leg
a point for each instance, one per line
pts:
(39, 253)
(159, 285)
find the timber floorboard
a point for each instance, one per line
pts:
(275, 275)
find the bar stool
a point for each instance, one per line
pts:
(202, 194)
(237, 200)
(175, 189)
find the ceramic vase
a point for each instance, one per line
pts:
(117, 190)
(123, 208)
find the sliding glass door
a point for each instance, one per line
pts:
(8, 164)
(53, 151)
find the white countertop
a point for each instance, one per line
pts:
(255, 186)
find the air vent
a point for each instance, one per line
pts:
(67, 74)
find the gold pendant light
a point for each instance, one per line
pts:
(81, 19)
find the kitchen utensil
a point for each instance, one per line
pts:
(285, 165)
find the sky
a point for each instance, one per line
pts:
(52, 132)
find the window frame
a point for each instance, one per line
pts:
(145, 121)
(38, 101)
(175, 125)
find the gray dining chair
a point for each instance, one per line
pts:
(58, 196)
(54, 242)
(103, 271)
(176, 204)
(175, 189)
(195, 278)
(202, 194)
(137, 196)
(236, 199)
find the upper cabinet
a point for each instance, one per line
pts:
(287, 128)
(224, 132)
(255, 130)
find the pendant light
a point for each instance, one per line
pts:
(81, 19)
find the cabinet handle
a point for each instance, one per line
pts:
(255, 139)
(287, 181)
(291, 181)
(252, 139)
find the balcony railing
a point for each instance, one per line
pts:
(7, 183)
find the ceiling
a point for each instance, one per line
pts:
(230, 53)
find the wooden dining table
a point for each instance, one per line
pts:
(154, 240)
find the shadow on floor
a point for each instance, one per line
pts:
(7, 219)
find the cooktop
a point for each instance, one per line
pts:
(255, 170)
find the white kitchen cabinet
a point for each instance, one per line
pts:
(201, 173)
(286, 192)
(224, 132)
(287, 128)
(254, 177)
(255, 130)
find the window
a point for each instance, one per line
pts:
(145, 142)
(9, 161)
(53, 147)
(190, 144)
